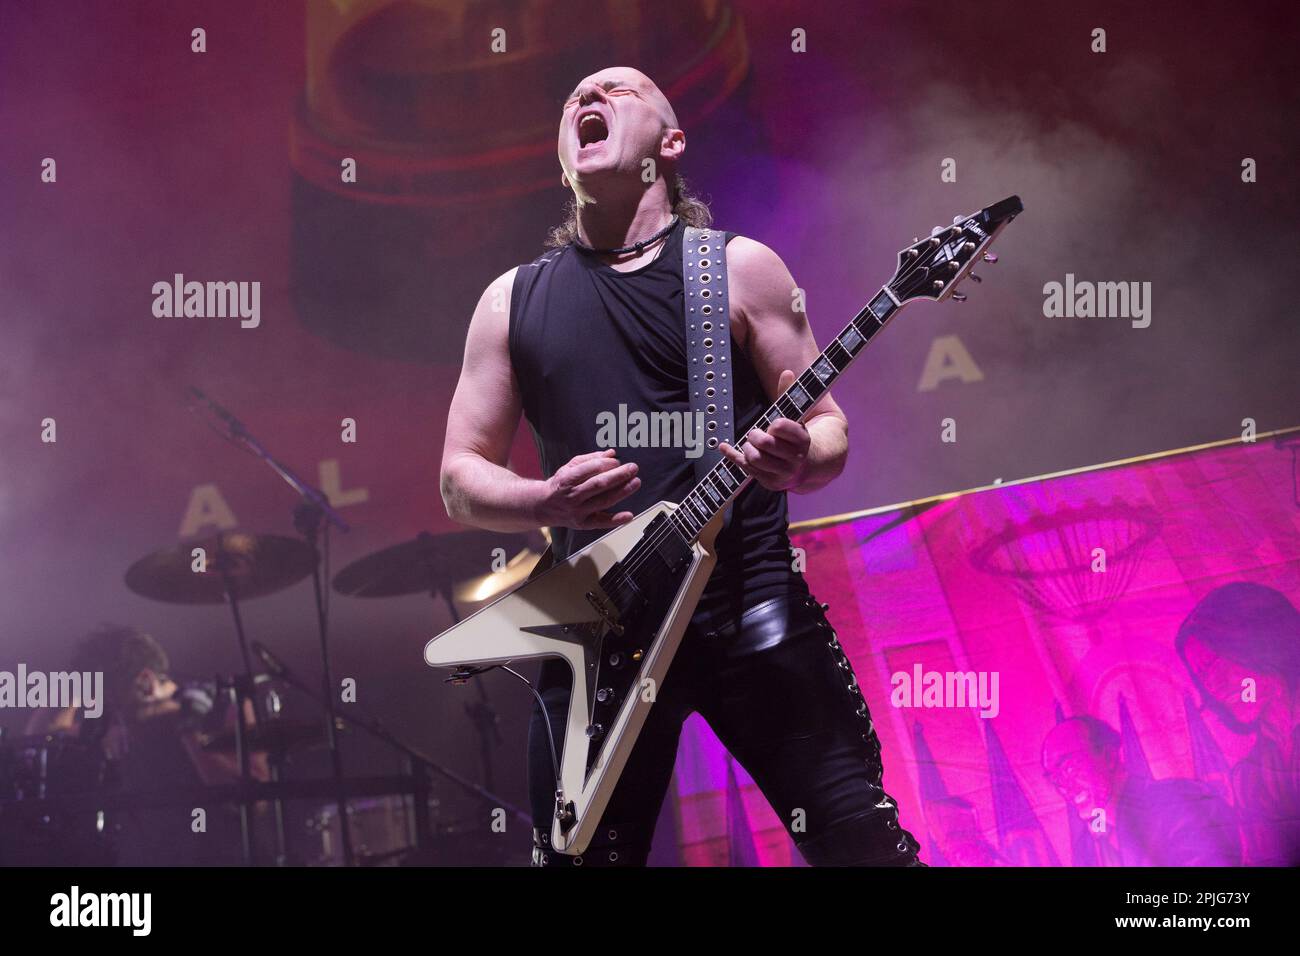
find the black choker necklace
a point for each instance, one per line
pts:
(635, 247)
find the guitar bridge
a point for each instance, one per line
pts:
(605, 612)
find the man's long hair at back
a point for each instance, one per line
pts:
(692, 210)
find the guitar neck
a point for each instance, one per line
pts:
(726, 480)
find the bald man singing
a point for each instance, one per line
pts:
(595, 324)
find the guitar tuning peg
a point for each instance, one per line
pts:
(990, 257)
(959, 297)
(975, 278)
(916, 238)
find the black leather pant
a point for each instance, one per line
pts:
(780, 694)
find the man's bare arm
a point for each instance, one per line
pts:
(780, 344)
(477, 487)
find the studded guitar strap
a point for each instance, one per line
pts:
(708, 341)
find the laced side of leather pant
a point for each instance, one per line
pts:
(820, 753)
(873, 837)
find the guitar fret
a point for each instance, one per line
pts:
(693, 522)
(707, 508)
(689, 530)
(850, 340)
(712, 492)
(870, 326)
(679, 517)
(881, 307)
(676, 525)
(725, 478)
(812, 385)
(699, 508)
(716, 482)
(688, 510)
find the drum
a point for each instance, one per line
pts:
(36, 775)
(382, 829)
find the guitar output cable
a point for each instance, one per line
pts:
(463, 674)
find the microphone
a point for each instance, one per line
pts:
(273, 663)
(196, 700)
(198, 705)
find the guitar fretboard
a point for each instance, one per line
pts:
(726, 480)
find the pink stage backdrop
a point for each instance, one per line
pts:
(1140, 623)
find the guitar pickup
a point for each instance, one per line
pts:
(670, 547)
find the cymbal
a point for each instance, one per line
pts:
(253, 564)
(277, 736)
(487, 586)
(426, 564)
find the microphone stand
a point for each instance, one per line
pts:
(308, 515)
(241, 690)
(281, 672)
(480, 712)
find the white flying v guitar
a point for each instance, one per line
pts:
(617, 609)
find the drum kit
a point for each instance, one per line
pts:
(61, 783)
(44, 777)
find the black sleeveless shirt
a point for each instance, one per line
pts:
(586, 339)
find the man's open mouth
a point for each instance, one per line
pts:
(591, 130)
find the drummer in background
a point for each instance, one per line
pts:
(152, 731)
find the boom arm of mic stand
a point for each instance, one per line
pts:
(310, 494)
(382, 733)
(240, 432)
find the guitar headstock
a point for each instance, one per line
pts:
(931, 268)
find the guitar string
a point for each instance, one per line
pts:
(673, 523)
(678, 523)
(646, 546)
